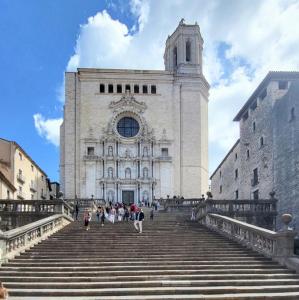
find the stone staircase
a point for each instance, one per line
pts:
(171, 259)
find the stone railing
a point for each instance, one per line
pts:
(260, 212)
(17, 213)
(37, 206)
(179, 203)
(15, 241)
(277, 245)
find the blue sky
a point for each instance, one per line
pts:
(42, 39)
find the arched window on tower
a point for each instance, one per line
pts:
(175, 56)
(145, 172)
(128, 173)
(110, 151)
(110, 172)
(188, 51)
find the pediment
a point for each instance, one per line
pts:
(128, 102)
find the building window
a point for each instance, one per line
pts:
(254, 105)
(236, 174)
(32, 168)
(42, 177)
(236, 194)
(220, 174)
(175, 56)
(145, 172)
(253, 127)
(220, 189)
(164, 152)
(245, 116)
(102, 88)
(110, 88)
(20, 172)
(282, 85)
(256, 195)
(20, 156)
(110, 172)
(8, 194)
(255, 179)
(128, 88)
(188, 51)
(32, 197)
(144, 89)
(261, 141)
(119, 88)
(90, 150)
(263, 94)
(136, 89)
(127, 127)
(153, 89)
(236, 156)
(247, 154)
(292, 114)
(128, 173)
(110, 151)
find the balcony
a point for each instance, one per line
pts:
(164, 158)
(33, 187)
(20, 195)
(90, 157)
(20, 178)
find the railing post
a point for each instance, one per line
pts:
(2, 248)
(285, 239)
(285, 244)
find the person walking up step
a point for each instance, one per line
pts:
(138, 220)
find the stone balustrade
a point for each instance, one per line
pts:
(260, 212)
(276, 245)
(17, 240)
(37, 206)
(180, 203)
(17, 213)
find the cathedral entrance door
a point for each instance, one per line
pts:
(128, 197)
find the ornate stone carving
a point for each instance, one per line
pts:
(128, 102)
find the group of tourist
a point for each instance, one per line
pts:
(116, 213)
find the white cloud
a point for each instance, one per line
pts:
(48, 128)
(101, 41)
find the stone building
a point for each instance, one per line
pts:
(132, 135)
(28, 180)
(266, 157)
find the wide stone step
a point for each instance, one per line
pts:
(152, 283)
(75, 273)
(156, 290)
(132, 263)
(143, 259)
(104, 278)
(236, 296)
(138, 267)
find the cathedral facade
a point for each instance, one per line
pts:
(136, 135)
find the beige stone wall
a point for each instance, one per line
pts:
(23, 173)
(29, 180)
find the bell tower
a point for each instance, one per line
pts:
(183, 51)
